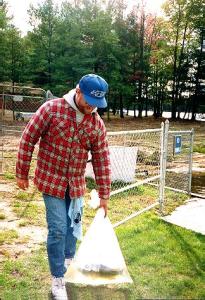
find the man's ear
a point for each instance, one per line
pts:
(77, 90)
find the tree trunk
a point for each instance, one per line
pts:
(127, 111)
(141, 63)
(121, 106)
(50, 35)
(195, 103)
(156, 91)
(178, 73)
(140, 99)
(175, 67)
(135, 111)
(146, 101)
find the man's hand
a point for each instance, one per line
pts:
(103, 203)
(22, 183)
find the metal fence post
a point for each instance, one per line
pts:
(191, 160)
(163, 163)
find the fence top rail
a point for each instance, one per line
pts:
(21, 87)
(12, 130)
(180, 131)
(10, 127)
(114, 132)
(134, 131)
(11, 95)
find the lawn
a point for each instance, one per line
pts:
(164, 261)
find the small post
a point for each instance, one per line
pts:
(191, 160)
(163, 162)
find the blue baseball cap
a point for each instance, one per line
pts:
(94, 88)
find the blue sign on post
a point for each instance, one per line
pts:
(177, 144)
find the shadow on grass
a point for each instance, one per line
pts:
(197, 263)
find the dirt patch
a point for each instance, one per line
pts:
(6, 187)
(199, 162)
(30, 237)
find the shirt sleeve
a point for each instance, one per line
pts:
(101, 162)
(30, 136)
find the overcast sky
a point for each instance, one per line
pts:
(18, 8)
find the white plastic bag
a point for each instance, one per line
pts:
(99, 259)
(100, 251)
(94, 199)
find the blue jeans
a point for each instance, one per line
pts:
(61, 243)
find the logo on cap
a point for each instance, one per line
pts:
(98, 94)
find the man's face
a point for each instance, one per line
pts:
(83, 106)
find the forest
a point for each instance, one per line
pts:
(150, 62)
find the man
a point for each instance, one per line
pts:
(68, 128)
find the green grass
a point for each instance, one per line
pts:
(9, 176)
(29, 207)
(123, 204)
(164, 261)
(200, 148)
(30, 212)
(25, 278)
(8, 236)
(23, 196)
(173, 200)
(90, 183)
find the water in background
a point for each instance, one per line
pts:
(166, 114)
(198, 183)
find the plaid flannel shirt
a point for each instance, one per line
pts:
(63, 150)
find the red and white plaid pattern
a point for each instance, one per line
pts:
(63, 150)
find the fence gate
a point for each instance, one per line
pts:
(178, 149)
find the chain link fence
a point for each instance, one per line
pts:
(19, 103)
(135, 158)
(143, 164)
(135, 162)
(17, 106)
(9, 142)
